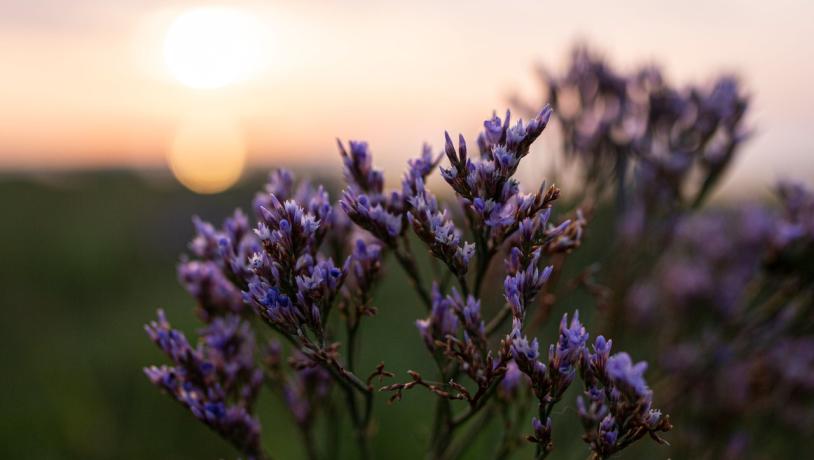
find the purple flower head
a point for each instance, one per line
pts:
(795, 230)
(372, 217)
(287, 231)
(273, 305)
(542, 434)
(598, 360)
(359, 172)
(571, 343)
(608, 434)
(526, 355)
(519, 138)
(442, 322)
(171, 341)
(494, 215)
(205, 244)
(485, 185)
(437, 230)
(672, 136)
(418, 169)
(214, 293)
(508, 145)
(460, 166)
(365, 268)
(512, 381)
(523, 352)
(710, 262)
(468, 311)
(217, 382)
(316, 289)
(494, 134)
(237, 244)
(281, 187)
(628, 377)
(654, 418)
(522, 287)
(230, 344)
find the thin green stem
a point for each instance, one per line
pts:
(498, 320)
(407, 262)
(460, 446)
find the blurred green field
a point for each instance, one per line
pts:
(86, 260)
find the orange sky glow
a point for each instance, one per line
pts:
(85, 85)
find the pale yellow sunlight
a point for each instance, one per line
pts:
(213, 46)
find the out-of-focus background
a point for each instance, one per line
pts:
(120, 120)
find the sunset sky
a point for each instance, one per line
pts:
(85, 83)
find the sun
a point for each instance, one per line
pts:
(208, 153)
(213, 46)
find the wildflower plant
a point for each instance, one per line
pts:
(302, 261)
(722, 298)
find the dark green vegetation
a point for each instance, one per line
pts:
(86, 260)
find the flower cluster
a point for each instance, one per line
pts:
(460, 340)
(279, 270)
(292, 286)
(524, 278)
(723, 288)
(456, 329)
(217, 380)
(660, 149)
(741, 269)
(619, 403)
(282, 270)
(485, 186)
(722, 297)
(364, 200)
(611, 120)
(549, 382)
(222, 259)
(365, 265)
(435, 228)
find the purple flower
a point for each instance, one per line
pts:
(512, 381)
(627, 376)
(287, 231)
(594, 364)
(316, 289)
(485, 186)
(608, 434)
(418, 169)
(442, 322)
(372, 217)
(359, 172)
(618, 411)
(522, 287)
(564, 355)
(205, 244)
(364, 271)
(437, 230)
(542, 434)
(527, 354)
(171, 341)
(205, 281)
(217, 382)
